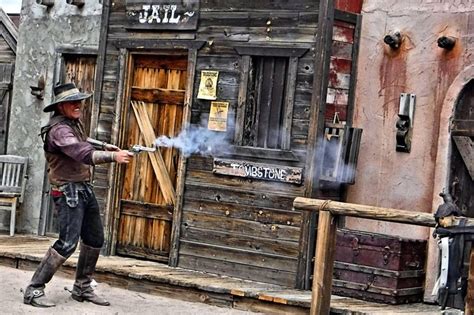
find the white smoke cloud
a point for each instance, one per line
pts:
(196, 140)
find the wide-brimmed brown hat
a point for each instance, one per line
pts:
(65, 93)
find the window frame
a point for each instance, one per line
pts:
(246, 53)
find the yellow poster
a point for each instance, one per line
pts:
(218, 116)
(208, 85)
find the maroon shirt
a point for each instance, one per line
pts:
(68, 154)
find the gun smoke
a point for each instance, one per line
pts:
(196, 140)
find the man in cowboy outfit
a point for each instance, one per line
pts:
(70, 153)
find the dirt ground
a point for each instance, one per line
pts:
(122, 301)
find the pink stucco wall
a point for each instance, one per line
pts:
(387, 178)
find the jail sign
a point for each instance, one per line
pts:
(162, 15)
(260, 171)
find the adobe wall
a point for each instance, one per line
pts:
(385, 177)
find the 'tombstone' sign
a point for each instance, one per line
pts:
(261, 171)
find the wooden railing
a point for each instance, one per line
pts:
(329, 214)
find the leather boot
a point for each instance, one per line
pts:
(82, 290)
(34, 292)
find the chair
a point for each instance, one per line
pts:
(12, 185)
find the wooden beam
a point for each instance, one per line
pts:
(156, 159)
(462, 127)
(323, 265)
(275, 51)
(240, 116)
(182, 162)
(158, 95)
(367, 212)
(466, 149)
(469, 309)
(373, 213)
(318, 98)
(354, 63)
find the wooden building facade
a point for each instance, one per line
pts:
(270, 80)
(8, 42)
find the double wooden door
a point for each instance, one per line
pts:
(6, 76)
(148, 185)
(462, 167)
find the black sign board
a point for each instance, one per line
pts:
(261, 171)
(162, 14)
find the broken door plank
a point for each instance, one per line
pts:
(156, 159)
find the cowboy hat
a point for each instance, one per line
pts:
(65, 93)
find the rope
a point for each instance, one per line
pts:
(324, 206)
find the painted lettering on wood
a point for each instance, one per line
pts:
(163, 14)
(261, 171)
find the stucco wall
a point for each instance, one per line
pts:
(393, 179)
(385, 177)
(42, 31)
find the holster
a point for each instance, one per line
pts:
(71, 192)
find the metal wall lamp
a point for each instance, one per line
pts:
(447, 42)
(393, 39)
(38, 90)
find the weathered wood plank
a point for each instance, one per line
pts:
(237, 5)
(147, 210)
(466, 148)
(462, 127)
(249, 242)
(244, 212)
(237, 255)
(142, 252)
(158, 95)
(244, 227)
(368, 212)
(239, 196)
(237, 270)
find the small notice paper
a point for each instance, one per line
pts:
(208, 85)
(218, 116)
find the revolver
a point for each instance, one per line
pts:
(136, 148)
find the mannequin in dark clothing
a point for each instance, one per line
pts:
(70, 153)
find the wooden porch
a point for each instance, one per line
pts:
(25, 251)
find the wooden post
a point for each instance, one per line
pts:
(469, 308)
(323, 265)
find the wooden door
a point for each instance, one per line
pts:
(147, 193)
(462, 165)
(80, 70)
(6, 74)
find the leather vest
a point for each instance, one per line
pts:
(63, 169)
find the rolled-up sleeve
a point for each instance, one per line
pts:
(62, 138)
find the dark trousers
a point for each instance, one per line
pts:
(79, 217)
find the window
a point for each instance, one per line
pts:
(264, 114)
(265, 106)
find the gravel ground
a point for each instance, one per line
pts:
(122, 301)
